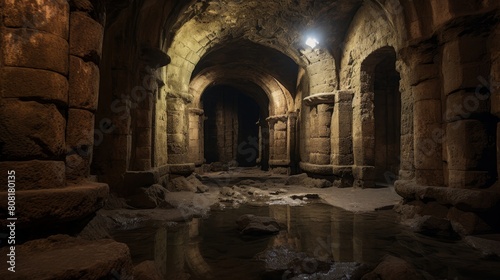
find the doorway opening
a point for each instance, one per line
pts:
(235, 130)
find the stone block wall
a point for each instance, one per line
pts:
(34, 90)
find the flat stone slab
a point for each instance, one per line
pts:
(53, 206)
(65, 257)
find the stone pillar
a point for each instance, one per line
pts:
(470, 128)
(85, 50)
(196, 138)
(47, 102)
(319, 140)
(342, 157)
(292, 141)
(33, 84)
(363, 134)
(278, 143)
(177, 135)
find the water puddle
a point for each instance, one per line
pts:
(316, 238)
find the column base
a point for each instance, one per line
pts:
(444, 210)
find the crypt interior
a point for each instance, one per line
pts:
(353, 125)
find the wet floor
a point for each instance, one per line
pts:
(212, 247)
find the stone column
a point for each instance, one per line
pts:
(48, 97)
(364, 133)
(177, 135)
(83, 92)
(33, 84)
(291, 141)
(342, 157)
(278, 143)
(470, 128)
(319, 145)
(196, 138)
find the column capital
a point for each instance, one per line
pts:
(196, 111)
(320, 98)
(276, 118)
(185, 97)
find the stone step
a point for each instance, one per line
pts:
(45, 207)
(65, 257)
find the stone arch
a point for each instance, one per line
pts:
(382, 118)
(280, 99)
(276, 98)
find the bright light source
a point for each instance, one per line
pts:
(312, 42)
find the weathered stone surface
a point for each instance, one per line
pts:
(303, 180)
(488, 245)
(393, 268)
(255, 225)
(78, 164)
(86, 44)
(80, 131)
(41, 134)
(34, 84)
(147, 270)
(43, 208)
(148, 198)
(62, 257)
(469, 179)
(200, 187)
(467, 223)
(181, 184)
(51, 16)
(83, 84)
(463, 104)
(463, 199)
(181, 169)
(32, 49)
(35, 174)
(468, 145)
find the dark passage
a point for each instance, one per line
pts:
(231, 132)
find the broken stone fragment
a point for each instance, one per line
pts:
(148, 198)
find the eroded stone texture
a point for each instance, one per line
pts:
(41, 134)
(84, 84)
(35, 174)
(88, 44)
(34, 84)
(33, 49)
(49, 15)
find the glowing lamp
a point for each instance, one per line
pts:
(312, 42)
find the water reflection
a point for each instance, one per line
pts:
(213, 248)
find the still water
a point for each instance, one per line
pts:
(212, 247)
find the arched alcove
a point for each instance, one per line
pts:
(380, 87)
(232, 131)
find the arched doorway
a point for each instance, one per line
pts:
(387, 111)
(235, 130)
(380, 85)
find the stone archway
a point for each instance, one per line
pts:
(232, 127)
(380, 88)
